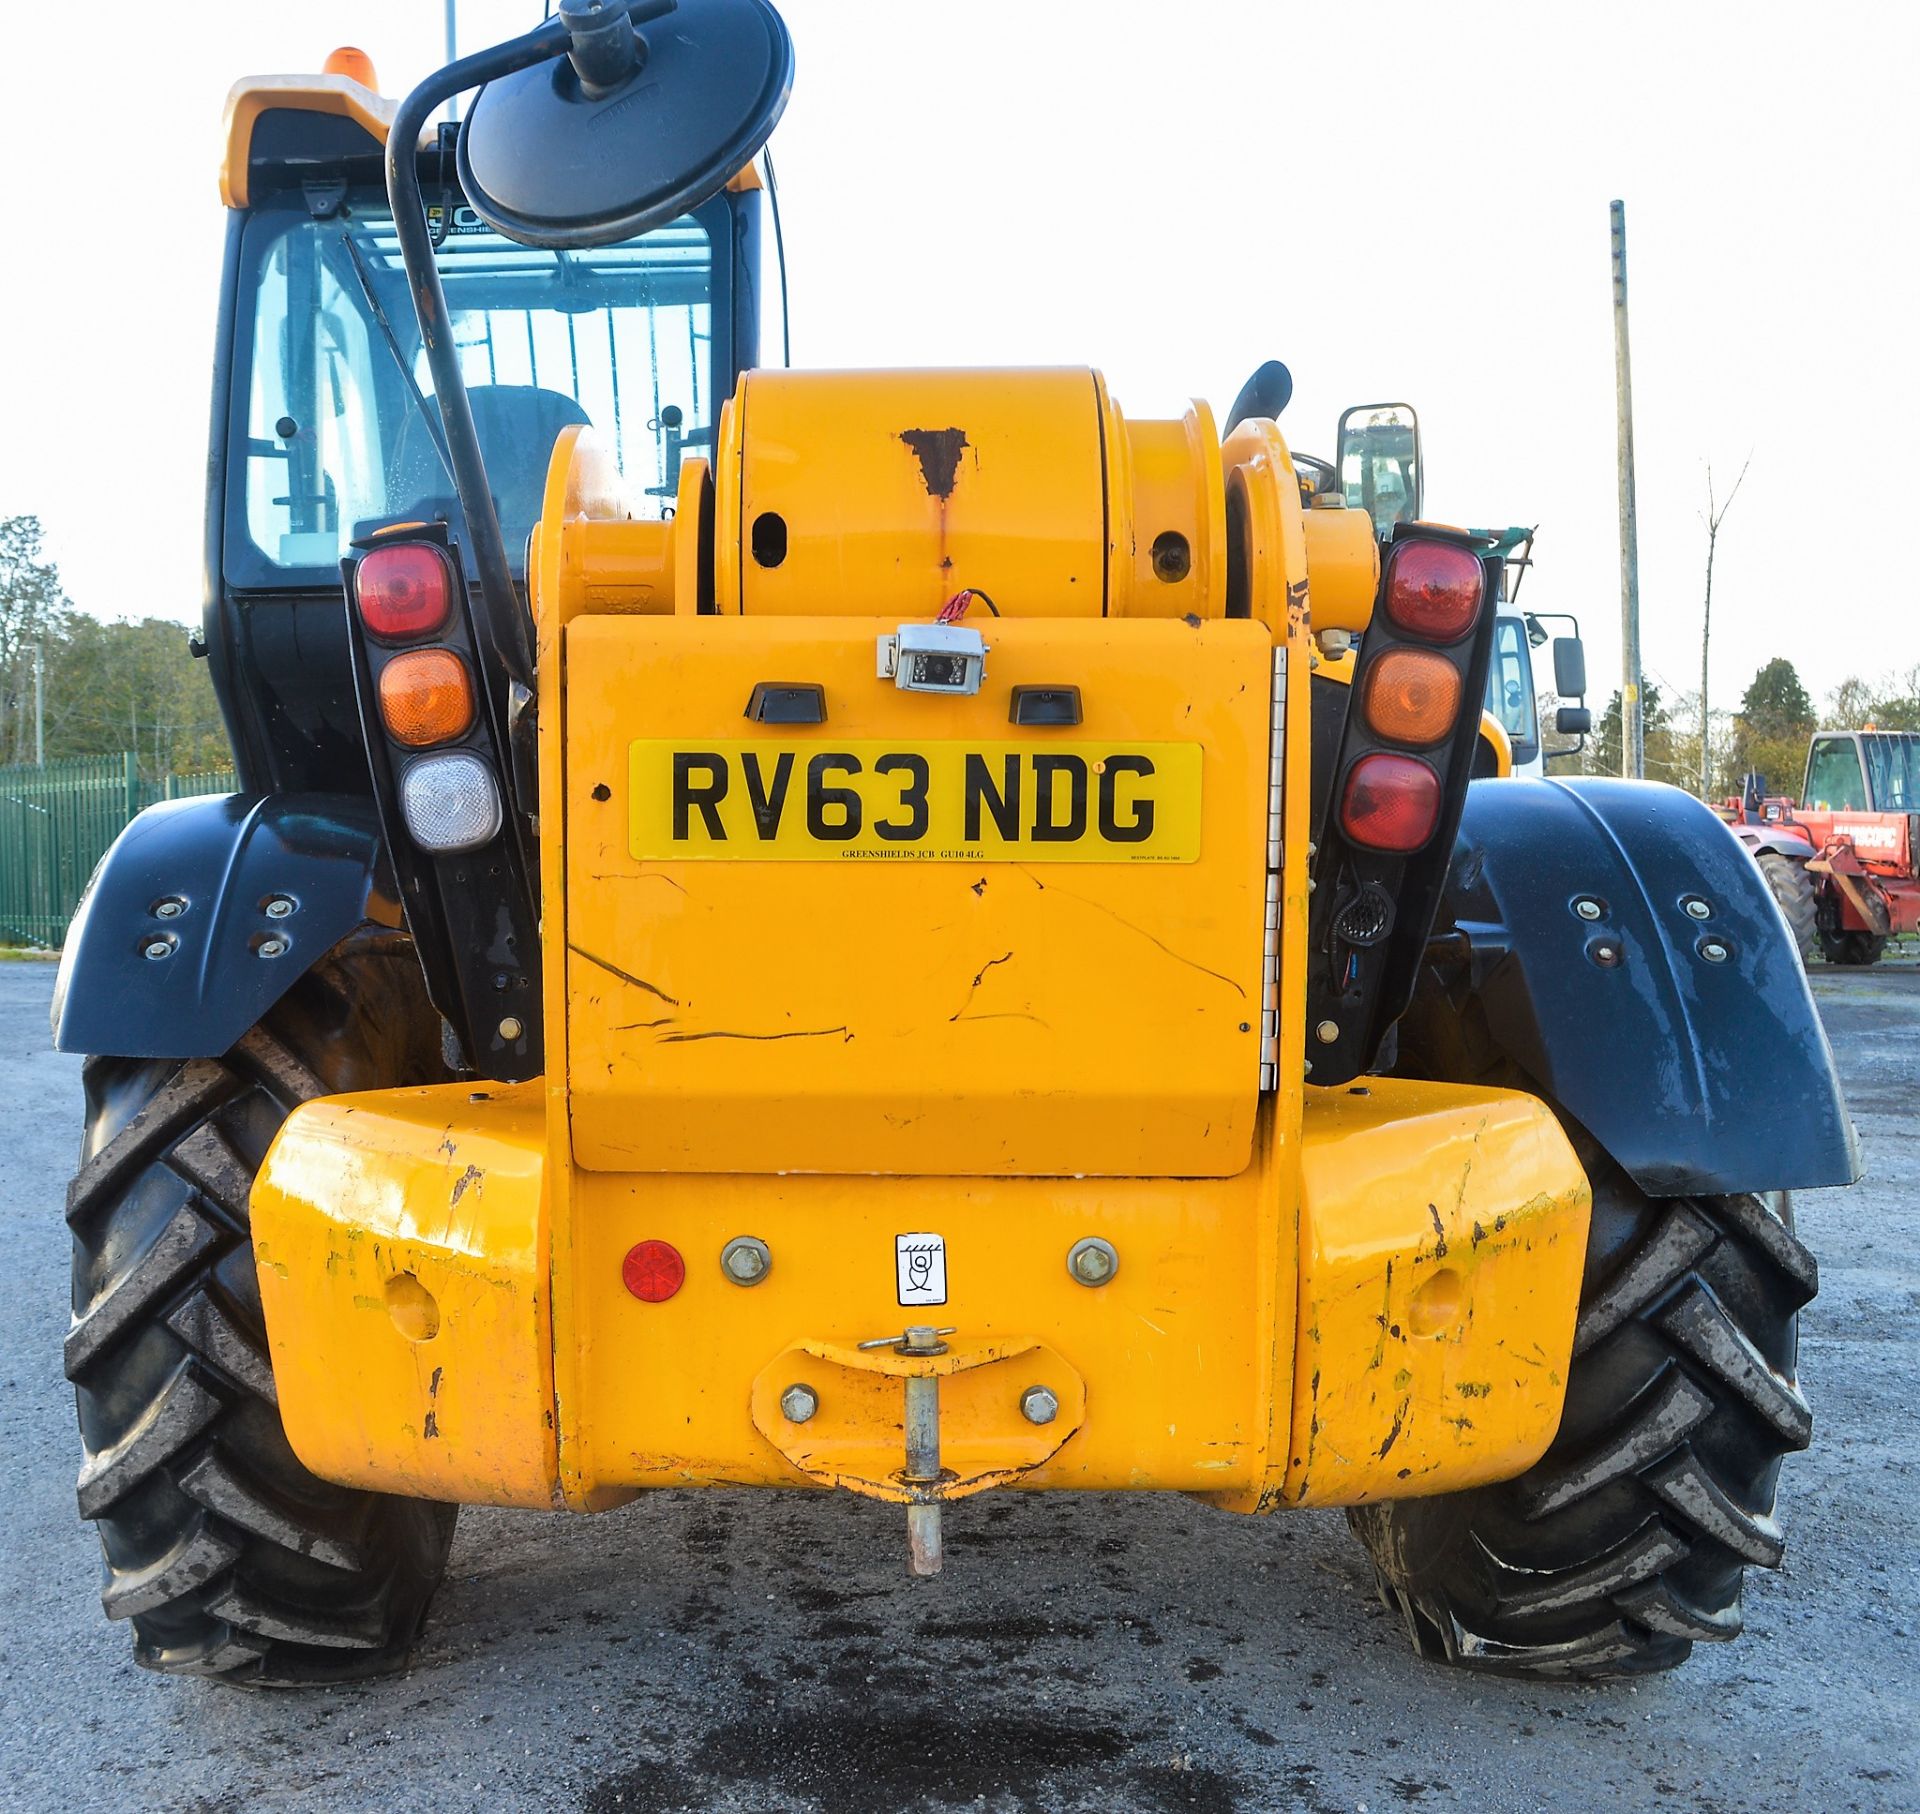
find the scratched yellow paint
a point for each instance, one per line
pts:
(403, 1259)
(1443, 1234)
(992, 1015)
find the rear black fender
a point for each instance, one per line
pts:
(235, 897)
(1699, 1075)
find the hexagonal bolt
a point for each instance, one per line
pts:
(278, 906)
(1327, 1032)
(1039, 1405)
(511, 1028)
(1092, 1261)
(798, 1403)
(1585, 907)
(170, 908)
(272, 947)
(1696, 909)
(746, 1260)
(1713, 951)
(157, 948)
(1606, 956)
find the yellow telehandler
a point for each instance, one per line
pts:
(822, 930)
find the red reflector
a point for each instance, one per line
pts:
(404, 591)
(1433, 589)
(1391, 802)
(653, 1271)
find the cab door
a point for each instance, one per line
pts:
(1835, 779)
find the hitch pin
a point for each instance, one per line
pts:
(922, 1468)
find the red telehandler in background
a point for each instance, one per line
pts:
(1842, 862)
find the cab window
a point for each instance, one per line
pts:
(1834, 781)
(1893, 766)
(335, 425)
(1510, 684)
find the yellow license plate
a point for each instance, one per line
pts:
(763, 801)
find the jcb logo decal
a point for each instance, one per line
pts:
(972, 802)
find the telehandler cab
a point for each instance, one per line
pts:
(888, 969)
(1843, 860)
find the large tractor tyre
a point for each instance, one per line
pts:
(1852, 948)
(1793, 888)
(229, 1558)
(1629, 1539)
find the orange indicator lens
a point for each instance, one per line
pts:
(1412, 696)
(426, 697)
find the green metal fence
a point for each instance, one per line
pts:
(56, 822)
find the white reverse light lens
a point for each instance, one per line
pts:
(451, 801)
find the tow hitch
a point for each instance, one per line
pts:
(965, 1420)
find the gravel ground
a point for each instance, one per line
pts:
(765, 1652)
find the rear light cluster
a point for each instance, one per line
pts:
(1411, 695)
(441, 764)
(405, 595)
(1382, 829)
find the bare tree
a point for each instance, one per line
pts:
(1714, 515)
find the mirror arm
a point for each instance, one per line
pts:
(502, 614)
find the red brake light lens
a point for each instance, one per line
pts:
(404, 591)
(1433, 589)
(1392, 803)
(653, 1271)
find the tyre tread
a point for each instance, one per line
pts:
(1626, 1544)
(1787, 880)
(227, 1556)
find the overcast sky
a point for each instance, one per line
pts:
(1400, 201)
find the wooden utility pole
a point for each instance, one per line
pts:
(1633, 743)
(1716, 514)
(453, 51)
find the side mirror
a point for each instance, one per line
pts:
(602, 123)
(1569, 668)
(651, 107)
(1573, 721)
(1379, 462)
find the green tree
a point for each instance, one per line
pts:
(103, 686)
(1891, 703)
(1849, 705)
(1895, 705)
(1771, 729)
(132, 685)
(33, 611)
(1603, 751)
